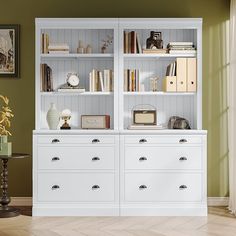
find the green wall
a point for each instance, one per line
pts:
(215, 14)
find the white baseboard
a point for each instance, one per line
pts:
(211, 201)
(217, 201)
(21, 201)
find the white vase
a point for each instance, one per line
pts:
(53, 117)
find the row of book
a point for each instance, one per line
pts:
(46, 78)
(181, 47)
(131, 80)
(101, 80)
(132, 42)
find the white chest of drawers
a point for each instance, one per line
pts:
(76, 175)
(120, 174)
(163, 174)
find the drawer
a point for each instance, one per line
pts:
(166, 187)
(75, 187)
(175, 157)
(79, 139)
(163, 139)
(59, 158)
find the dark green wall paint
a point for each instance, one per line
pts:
(215, 13)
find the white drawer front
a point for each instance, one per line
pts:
(163, 187)
(171, 158)
(163, 139)
(79, 139)
(75, 187)
(75, 158)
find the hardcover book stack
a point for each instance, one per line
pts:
(44, 42)
(131, 80)
(58, 48)
(101, 81)
(46, 78)
(181, 47)
(132, 42)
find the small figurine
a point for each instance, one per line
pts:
(80, 49)
(89, 49)
(106, 43)
(154, 41)
(65, 115)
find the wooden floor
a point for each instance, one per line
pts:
(219, 223)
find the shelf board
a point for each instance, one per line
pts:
(77, 55)
(158, 55)
(159, 93)
(76, 94)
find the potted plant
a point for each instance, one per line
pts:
(5, 123)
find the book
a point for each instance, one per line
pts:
(180, 43)
(46, 78)
(71, 90)
(146, 127)
(153, 51)
(182, 52)
(139, 48)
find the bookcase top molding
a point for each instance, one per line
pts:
(130, 23)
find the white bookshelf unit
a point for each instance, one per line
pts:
(118, 171)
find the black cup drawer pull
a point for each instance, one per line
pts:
(143, 159)
(95, 187)
(143, 140)
(95, 159)
(55, 140)
(183, 159)
(95, 140)
(54, 187)
(55, 159)
(183, 140)
(182, 187)
(142, 187)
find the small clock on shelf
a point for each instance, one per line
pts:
(72, 84)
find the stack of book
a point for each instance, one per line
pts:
(132, 42)
(153, 51)
(58, 48)
(171, 69)
(44, 42)
(46, 78)
(131, 80)
(101, 81)
(181, 47)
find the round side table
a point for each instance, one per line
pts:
(5, 210)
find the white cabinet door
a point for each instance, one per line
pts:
(169, 158)
(65, 187)
(81, 158)
(165, 187)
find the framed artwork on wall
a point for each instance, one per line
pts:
(9, 50)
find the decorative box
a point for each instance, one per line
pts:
(144, 117)
(95, 122)
(169, 84)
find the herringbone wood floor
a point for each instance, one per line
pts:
(218, 222)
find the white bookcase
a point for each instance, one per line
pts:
(163, 173)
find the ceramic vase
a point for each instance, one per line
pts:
(53, 117)
(5, 146)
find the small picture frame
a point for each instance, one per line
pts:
(9, 51)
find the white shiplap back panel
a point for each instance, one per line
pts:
(168, 35)
(149, 68)
(166, 107)
(79, 105)
(93, 37)
(81, 66)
